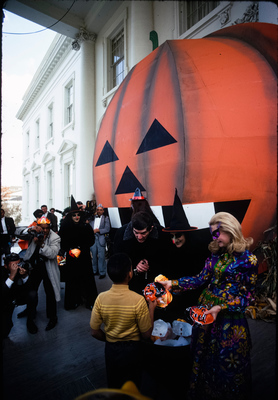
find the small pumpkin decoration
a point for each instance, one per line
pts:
(200, 116)
(198, 316)
(155, 291)
(75, 253)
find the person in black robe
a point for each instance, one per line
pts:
(76, 239)
(186, 256)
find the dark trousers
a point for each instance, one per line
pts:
(5, 244)
(123, 363)
(38, 274)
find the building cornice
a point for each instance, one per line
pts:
(59, 48)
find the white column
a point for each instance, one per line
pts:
(141, 25)
(86, 140)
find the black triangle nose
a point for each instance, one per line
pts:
(129, 183)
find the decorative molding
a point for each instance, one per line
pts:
(67, 151)
(251, 14)
(82, 36)
(49, 142)
(225, 16)
(35, 166)
(104, 102)
(66, 146)
(207, 21)
(47, 157)
(56, 53)
(25, 171)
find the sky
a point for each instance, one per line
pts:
(21, 57)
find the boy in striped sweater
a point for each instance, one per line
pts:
(126, 318)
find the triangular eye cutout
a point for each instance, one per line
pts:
(107, 155)
(156, 137)
(128, 183)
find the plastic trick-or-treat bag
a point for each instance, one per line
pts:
(182, 328)
(161, 330)
(164, 334)
(196, 315)
(155, 291)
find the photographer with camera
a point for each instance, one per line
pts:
(42, 254)
(14, 275)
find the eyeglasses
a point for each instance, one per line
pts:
(176, 235)
(76, 215)
(216, 233)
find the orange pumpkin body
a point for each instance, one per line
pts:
(200, 116)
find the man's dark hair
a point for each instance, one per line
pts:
(38, 213)
(79, 203)
(142, 220)
(44, 205)
(118, 266)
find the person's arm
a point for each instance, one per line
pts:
(106, 228)
(152, 306)
(145, 317)
(213, 311)
(147, 335)
(96, 321)
(50, 248)
(98, 334)
(190, 282)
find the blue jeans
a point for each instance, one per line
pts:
(98, 253)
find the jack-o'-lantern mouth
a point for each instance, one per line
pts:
(198, 214)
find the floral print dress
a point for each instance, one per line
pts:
(221, 350)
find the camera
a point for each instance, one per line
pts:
(90, 208)
(24, 264)
(39, 235)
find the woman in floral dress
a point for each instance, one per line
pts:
(221, 350)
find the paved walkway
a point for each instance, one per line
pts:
(65, 362)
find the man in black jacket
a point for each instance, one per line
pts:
(14, 278)
(147, 247)
(7, 230)
(51, 218)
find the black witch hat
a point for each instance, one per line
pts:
(179, 221)
(73, 206)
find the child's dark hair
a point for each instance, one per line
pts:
(142, 220)
(118, 266)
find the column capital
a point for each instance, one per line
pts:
(82, 36)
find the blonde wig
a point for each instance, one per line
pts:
(229, 224)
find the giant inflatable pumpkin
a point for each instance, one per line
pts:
(198, 115)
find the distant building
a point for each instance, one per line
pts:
(63, 107)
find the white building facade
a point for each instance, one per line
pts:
(63, 107)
